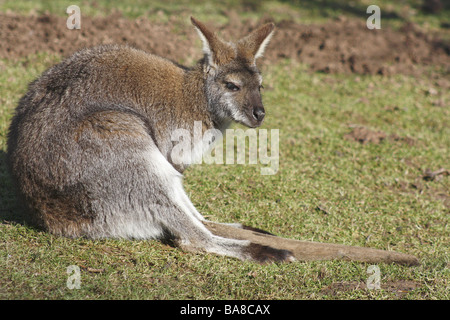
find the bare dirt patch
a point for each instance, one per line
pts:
(430, 175)
(365, 135)
(339, 46)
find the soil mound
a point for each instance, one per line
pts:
(339, 46)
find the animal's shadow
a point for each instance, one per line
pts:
(11, 209)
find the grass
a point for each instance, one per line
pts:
(327, 189)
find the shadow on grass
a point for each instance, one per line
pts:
(11, 210)
(333, 8)
(328, 7)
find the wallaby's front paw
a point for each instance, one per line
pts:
(266, 254)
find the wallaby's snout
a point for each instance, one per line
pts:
(259, 113)
(256, 111)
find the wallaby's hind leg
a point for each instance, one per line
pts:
(137, 193)
(185, 223)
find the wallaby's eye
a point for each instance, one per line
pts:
(231, 86)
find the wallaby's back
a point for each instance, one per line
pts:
(44, 140)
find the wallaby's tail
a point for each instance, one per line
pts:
(311, 251)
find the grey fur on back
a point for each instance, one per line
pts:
(90, 143)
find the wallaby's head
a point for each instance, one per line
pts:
(233, 82)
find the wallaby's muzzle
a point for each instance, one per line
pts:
(258, 113)
(255, 116)
(255, 110)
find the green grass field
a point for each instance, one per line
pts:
(328, 189)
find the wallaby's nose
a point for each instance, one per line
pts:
(258, 113)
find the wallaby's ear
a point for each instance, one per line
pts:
(252, 46)
(217, 51)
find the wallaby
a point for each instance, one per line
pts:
(90, 143)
